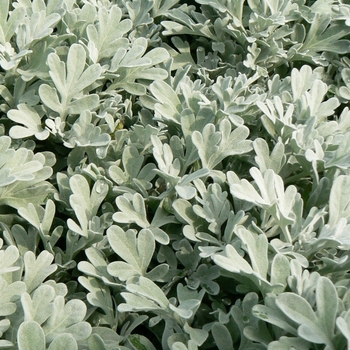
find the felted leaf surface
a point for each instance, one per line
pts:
(31, 120)
(316, 327)
(322, 37)
(67, 318)
(37, 268)
(214, 146)
(69, 79)
(31, 336)
(136, 251)
(131, 210)
(63, 341)
(107, 36)
(9, 24)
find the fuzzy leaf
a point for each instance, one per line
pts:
(69, 78)
(9, 24)
(31, 120)
(31, 336)
(316, 327)
(37, 269)
(107, 36)
(339, 200)
(136, 251)
(214, 146)
(67, 318)
(222, 336)
(63, 341)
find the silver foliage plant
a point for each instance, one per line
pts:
(174, 175)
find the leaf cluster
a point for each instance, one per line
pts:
(174, 175)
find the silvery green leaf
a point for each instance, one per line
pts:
(340, 157)
(342, 324)
(132, 161)
(158, 273)
(99, 296)
(222, 336)
(10, 293)
(69, 79)
(315, 97)
(256, 270)
(198, 336)
(25, 175)
(9, 24)
(276, 120)
(37, 269)
(184, 24)
(67, 318)
(184, 212)
(84, 133)
(321, 36)
(95, 342)
(344, 91)
(186, 254)
(339, 200)
(265, 161)
(186, 192)
(148, 289)
(137, 252)
(36, 64)
(97, 267)
(161, 7)
(214, 206)
(19, 165)
(107, 35)
(336, 235)
(108, 336)
(169, 105)
(19, 237)
(30, 336)
(128, 65)
(316, 327)
(205, 277)
(85, 202)
(256, 246)
(39, 217)
(4, 326)
(9, 59)
(184, 189)
(220, 144)
(165, 160)
(302, 80)
(181, 56)
(131, 210)
(271, 313)
(285, 343)
(273, 198)
(145, 295)
(280, 272)
(36, 27)
(302, 282)
(39, 306)
(253, 331)
(135, 174)
(8, 258)
(63, 341)
(232, 261)
(139, 12)
(31, 120)
(191, 345)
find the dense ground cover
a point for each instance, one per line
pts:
(174, 175)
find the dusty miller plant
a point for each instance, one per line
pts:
(174, 175)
